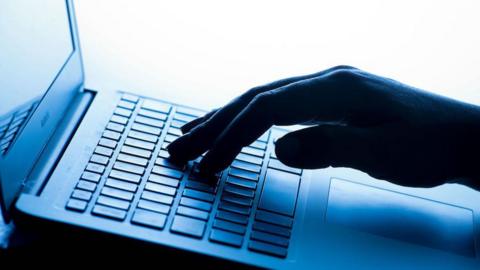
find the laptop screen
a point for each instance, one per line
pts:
(40, 72)
(35, 45)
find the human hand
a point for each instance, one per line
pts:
(377, 125)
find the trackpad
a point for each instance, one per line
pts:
(401, 216)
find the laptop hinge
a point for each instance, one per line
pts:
(58, 143)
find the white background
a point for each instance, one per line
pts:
(204, 53)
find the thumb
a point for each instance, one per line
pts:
(328, 145)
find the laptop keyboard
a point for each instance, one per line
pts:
(129, 178)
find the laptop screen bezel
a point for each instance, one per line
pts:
(16, 166)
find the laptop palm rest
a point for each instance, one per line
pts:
(401, 216)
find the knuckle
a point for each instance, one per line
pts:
(262, 99)
(343, 67)
(343, 75)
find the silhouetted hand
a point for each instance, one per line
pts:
(377, 125)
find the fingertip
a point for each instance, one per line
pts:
(190, 125)
(179, 149)
(287, 149)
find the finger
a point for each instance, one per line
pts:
(331, 145)
(201, 137)
(190, 125)
(252, 122)
(305, 101)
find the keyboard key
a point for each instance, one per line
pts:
(274, 218)
(239, 191)
(112, 202)
(90, 176)
(229, 216)
(103, 151)
(201, 186)
(122, 112)
(76, 205)
(129, 167)
(279, 193)
(269, 238)
(119, 119)
(165, 145)
(169, 164)
(235, 208)
(146, 129)
(249, 158)
(253, 151)
(143, 136)
(270, 228)
(276, 164)
(149, 219)
(130, 177)
(188, 226)
(167, 172)
(237, 200)
(184, 117)
(195, 194)
(82, 194)
(175, 131)
(126, 105)
(170, 138)
(121, 185)
(177, 123)
(99, 159)
(109, 212)
(115, 127)
(157, 106)
(130, 98)
(160, 188)
(157, 197)
(117, 193)
(242, 182)
(267, 249)
(140, 144)
(136, 152)
(229, 226)
(227, 238)
(246, 166)
(190, 111)
(132, 159)
(205, 206)
(164, 180)
(152, 114)
(243, 174)
(191, 212)
(149, 121)
(259, 145)
(107, 143)
(153, 206)
(96, 168)
(203, 178)
(163, 154)
(112, 135)
(85, 185)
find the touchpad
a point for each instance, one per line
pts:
(401, 216)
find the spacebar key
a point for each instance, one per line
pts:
(279, 192)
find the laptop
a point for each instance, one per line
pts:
(97, 160)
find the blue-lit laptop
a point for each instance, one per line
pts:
(96, 159)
